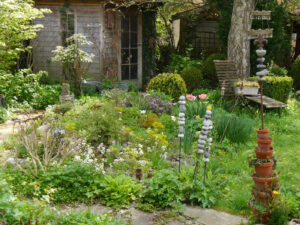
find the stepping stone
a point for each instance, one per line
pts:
(213, 217)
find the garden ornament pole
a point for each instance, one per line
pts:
(181, 122)
(263, 72)
(204, 141)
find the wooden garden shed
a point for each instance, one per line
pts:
(198, 29)
(123, 38)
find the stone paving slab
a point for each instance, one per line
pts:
(213, 217)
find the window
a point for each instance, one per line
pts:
(67, 24)
(129, 48)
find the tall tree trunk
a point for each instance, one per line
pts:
(238, 42)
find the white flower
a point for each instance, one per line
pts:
(77, 158)
(173, 118)
(142, 111)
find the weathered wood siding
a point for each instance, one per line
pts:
(48, 38)
(88, 21)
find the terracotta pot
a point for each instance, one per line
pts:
(264, 154)
(262, 196)
(259, 215)
(263, 133)
(264, 169)
(264, 144)
(265, 183)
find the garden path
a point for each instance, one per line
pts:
(190, 216)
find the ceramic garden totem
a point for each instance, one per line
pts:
(205, 140)
(181, 122)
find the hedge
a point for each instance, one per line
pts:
(277, 87)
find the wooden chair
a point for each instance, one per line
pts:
(226, 71)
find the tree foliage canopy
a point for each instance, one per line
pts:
(16, 26)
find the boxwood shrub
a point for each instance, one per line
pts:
(295, 73)
(277, 87)
(192, 77)
(170, 83)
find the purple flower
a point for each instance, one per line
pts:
(59, 132)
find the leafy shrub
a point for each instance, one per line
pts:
(295, 73)
(62, 108)
(118, 191)
(163, 190)
(71, 182)
(179, 62)
(24, 86)
(209, 69)
(148, 120)
(278, 71)
(102, 125)
(45, 95)
(192, 77)
(279, 214)
(170, 84)
(278, 88)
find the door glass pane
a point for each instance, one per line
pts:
(125, 72)
(133, 23)
(133, 72)
(125, 23)
(133, 40)
(133, 55)
(125, 56)
(125, 39)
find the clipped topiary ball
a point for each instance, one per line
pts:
(209, 69)
(295, 73)
(169, 83)
(192, 77)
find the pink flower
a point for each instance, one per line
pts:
(191, 97)
(202, 96)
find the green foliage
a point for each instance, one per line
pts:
(147, 121)
(71, 182)
(25, 87)
(192, 77)
(62, 108)
(163, 190)
(278, 71)
(75, 61)
(295, 73)
(102, 125)
(180, 62)
(17, 29)
(279, 46)
(209, 69)
(75, 218)
(3, 114)
(278, 88)
(279, 214)
(235, 129)
(118, 191)
(170, 84)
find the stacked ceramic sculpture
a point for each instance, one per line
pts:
(264, 177)
(205, 140)
(181, 122)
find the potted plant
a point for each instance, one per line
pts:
(246, 88)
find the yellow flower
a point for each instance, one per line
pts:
(208, 108)
(197, 117)
(275, 192)
(290, 173)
